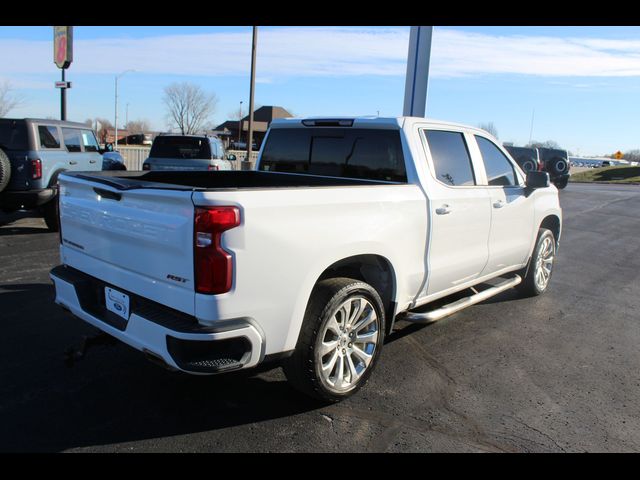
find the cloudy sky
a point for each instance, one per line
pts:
(583, 83)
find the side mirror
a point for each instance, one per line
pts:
(231, 157)
(537, 180)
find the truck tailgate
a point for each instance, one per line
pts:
(140, 240)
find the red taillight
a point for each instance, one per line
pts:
(36, 169)
(214, 167)
(213, 265)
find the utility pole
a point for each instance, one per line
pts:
(126, 125)
(240, 124)
(253, 82)
(415, 89)
(116, 106)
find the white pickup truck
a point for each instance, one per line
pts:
(345, 226)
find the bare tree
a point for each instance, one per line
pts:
(138, 126)
(102, 126)
(188, 106)
(546, 144)
(489, 127)
(632, 155)
(8, 98)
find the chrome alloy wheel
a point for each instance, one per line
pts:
(544, 262)
(346, 347)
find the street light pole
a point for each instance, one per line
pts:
(116, 119)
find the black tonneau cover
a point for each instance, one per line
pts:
(215, 180)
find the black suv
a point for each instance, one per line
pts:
(551, 160)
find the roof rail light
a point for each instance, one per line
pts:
(328, 122)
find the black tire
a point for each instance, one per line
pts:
(50, 214)
(557, 166)
(528, 164)
(529, 287)
(303, 368)
(5, 170)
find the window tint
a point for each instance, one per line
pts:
(89, 141)
(13, 135)
(180, 147)
(340, 152)
(451, 159)
(49, 137)
(72, 139)
(499, 169)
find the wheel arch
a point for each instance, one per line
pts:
(373, 269)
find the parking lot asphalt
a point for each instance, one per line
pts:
(556, 373)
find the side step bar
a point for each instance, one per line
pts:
(435, 315)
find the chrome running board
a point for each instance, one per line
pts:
(439, 313)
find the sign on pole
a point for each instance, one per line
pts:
(62, 46)
(618, 155)
(415, 88)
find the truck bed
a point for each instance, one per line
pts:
(218, 180)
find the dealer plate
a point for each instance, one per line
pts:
(117, 302)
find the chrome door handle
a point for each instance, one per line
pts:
(443, 210)
(498, 204)
(72, 162)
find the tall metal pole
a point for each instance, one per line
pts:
(415, 89)
(116, 119)
(240, 124)
(531, 130)
(253, 81)
(63, 100)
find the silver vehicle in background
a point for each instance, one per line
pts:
(188, 152)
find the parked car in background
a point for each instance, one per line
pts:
(556, 163)
(112, 161)
(526, 157)
(188, 152)
(33, 152)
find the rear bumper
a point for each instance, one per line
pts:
(26, 199)
(171, 338)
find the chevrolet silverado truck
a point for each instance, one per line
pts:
(345, 227)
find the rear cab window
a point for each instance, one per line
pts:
(451, 159)
(180, 147)
(49, 136)
(365, 153)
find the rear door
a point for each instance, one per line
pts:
(139, 240)
(460, 213)
(77, 159)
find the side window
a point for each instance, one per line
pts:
(72, 139)
(451, 159)
(89, 141)
(499, 169)
(49, 136)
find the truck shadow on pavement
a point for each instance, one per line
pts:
(114, 395)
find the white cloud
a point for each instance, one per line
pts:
(332, 51)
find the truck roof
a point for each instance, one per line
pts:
(368, 121)
(49, 121)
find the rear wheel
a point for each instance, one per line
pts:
(340, 340)
(5, 170)
(528, 164)
(540, 268)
